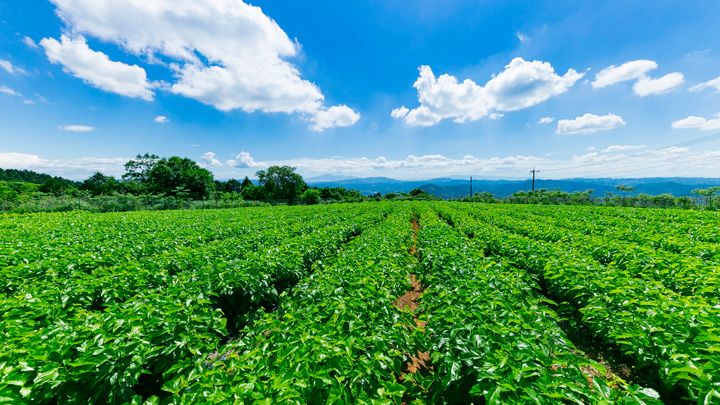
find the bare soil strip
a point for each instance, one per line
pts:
(419, 363)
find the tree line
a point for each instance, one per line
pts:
(154, 182)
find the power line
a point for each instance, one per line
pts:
(664, 164)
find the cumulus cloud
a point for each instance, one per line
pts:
(7, 90)
(208, 160)
(243, 160)
(30, 43)
(337, 116)
(76, 128)
(627, 71)
(637, 70)
(161, 119)
(96, 68)
(522, 84)
(546, 120)
(710, 84)
(70, 168)
(223, 53)
(620, 148)
(589, 123)
(694, 122)
(399, 112)
(646, 86)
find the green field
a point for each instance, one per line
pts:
(415, 302)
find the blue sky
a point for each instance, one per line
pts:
(404, 89)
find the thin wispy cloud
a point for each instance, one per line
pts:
(77, 128)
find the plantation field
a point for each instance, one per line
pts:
(376, 303)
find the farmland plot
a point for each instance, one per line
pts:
(424, 302)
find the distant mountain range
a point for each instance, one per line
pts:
(454, 188)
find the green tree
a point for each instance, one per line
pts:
(54, 186)
(181, 178)
(231, 186)
(281, 183)
(253, 193)
(7, 193)
(707, 194)
(138, 170)
(625, 189)
(311, 196)
(246, 182)
(98, 184)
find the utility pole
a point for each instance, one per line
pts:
(471, 194)
(533, 171)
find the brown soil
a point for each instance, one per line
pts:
(614, 369)
(410, 301)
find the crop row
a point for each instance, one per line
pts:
(79, 240)
(686, 275)
(493, 339)
(687, 233)
(674, 340)
(57, 345)
(336, 338)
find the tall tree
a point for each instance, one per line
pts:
(98, 184)
(139, 168)
(281, 183)
(180, 177)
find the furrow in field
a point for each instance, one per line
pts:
(672, 339)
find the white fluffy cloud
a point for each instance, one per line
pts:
(337, 116)
(621, 148)
(426, 165)
(546, 120)
(434, 165)
(70, 168)
(76, 128)
(411, 167)
(646, 86)
(208, 160)
(710, 84)
(243, 160)
(224, 53)
(7, 90)
(399, 112)
(627, 71)
(161, 119)
(637, 70)
(698, 123)
(522, 84)
(96, 68)
(589, 123)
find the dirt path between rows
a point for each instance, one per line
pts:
(419, 363)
